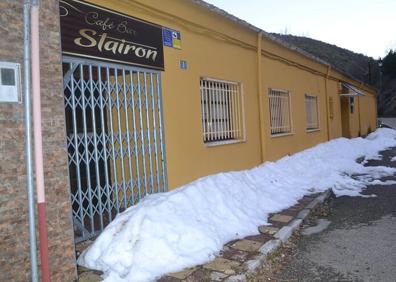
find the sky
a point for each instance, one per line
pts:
(362, 26)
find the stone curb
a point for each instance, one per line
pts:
(251, 252)
(284, 233)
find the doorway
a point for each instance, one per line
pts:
(115, 140)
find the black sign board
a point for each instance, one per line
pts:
(94, 32)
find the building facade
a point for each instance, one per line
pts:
(142, 96)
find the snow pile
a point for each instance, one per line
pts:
(188, 226)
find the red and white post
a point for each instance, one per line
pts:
(38, 144)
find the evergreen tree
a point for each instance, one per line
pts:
(389, 64)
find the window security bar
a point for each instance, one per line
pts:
(222, 110)
(279, 102)
(311, 109)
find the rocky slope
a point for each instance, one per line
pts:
(357, 66)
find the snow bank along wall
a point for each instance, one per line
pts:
(215, 80)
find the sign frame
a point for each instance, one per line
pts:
(95, 32)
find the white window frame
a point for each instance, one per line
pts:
(281, 120)
(222, 111)
(11, 93)
(315, 98)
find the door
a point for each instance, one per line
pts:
(345, 117)
(115, 140)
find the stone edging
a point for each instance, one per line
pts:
(281, 236)
(231, 269)
(234, 269)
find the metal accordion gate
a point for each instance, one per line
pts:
(115, 140)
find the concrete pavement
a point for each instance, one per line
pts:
(359, 243)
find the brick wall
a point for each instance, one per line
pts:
(14, 242)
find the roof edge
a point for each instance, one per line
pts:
(287, 45)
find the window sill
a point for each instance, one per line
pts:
(282, 134)
(312, 130)
(226, 142)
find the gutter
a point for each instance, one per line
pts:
(327, 103)
(281, 42)
(260, 96)
(28, 140)
(244, 23)
(359, 117)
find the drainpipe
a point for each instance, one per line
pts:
(327, 104)
(28, 140)
(38, 144)
(359, 116)
(260, 96)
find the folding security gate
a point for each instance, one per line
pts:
(115, 140)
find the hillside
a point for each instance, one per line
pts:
(387, 98)
(355, 65)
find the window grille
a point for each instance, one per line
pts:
(311, 111)
(222, 111)
(331, 107)
(352, 104)
(279, 102)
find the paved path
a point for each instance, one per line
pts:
(358, 245)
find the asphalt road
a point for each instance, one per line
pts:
(358, 245)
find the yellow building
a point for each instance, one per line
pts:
(159, 93)
(220, 47)
(213, 94)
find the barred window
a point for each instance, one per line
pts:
(352, 104)
(279, 102)
(311, 111)
(331, 107)
(222, 111)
